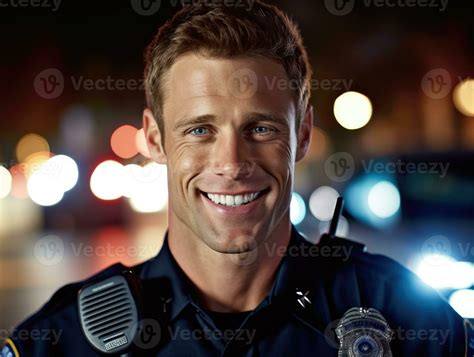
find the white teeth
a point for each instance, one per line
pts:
(229, 200)
(238, 200)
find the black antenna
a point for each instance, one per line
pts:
(336, 216)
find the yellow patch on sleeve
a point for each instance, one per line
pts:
(9, 349)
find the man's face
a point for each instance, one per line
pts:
(229, 132)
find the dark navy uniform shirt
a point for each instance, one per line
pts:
(314, 286)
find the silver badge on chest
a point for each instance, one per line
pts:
(363, 333)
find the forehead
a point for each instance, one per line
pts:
(198, 83)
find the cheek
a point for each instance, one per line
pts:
(276, 159)
(278, 153)
(185, 163)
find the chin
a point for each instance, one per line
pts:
(231, 244)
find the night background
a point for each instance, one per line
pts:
(71, 89)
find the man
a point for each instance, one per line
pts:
(234, 277)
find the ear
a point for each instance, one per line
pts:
(304, 134)
(153, 137)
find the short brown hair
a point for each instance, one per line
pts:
(224, 31)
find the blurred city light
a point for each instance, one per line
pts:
(30, 144)
(322, 202)
(33, 162)
(48, 180)
(123, 143)
(19, 189)
(131, 180)
(5, 182)
(370, 198)
(140, 142)
(463, 302)
(106, 181)
(463, 97)
(297, 208)
(384, 199)
(44, 189)
(154, 201)
(443, 272)
(151, 188)
(352, 110)
(64, 169)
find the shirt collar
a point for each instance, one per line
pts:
(163, 270)
(176, 286)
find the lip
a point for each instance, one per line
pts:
(236, 211)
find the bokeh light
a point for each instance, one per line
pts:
(155, 200)
(106, 181)
(30, 144)
(463, 97)
(44, 189)
(150, 193)
(352, 110)
(384, 199)
(297, 208)
(463, 302)
(123, 143)
(65, 169)
(322, 202)
(33, 162)
(5, 182)
(446, 273)
(131, 180)
(19, 189)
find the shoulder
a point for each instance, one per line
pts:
(419, 317)
(56, 324)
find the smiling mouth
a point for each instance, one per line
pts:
(234, 200)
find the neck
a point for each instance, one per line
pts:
(222, 284)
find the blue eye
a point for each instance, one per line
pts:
(265, 131)
(199, 131)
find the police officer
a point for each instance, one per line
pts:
(228, 112)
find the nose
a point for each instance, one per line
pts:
(231, 156)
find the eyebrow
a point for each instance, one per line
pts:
(251, 118)
(201, 119)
